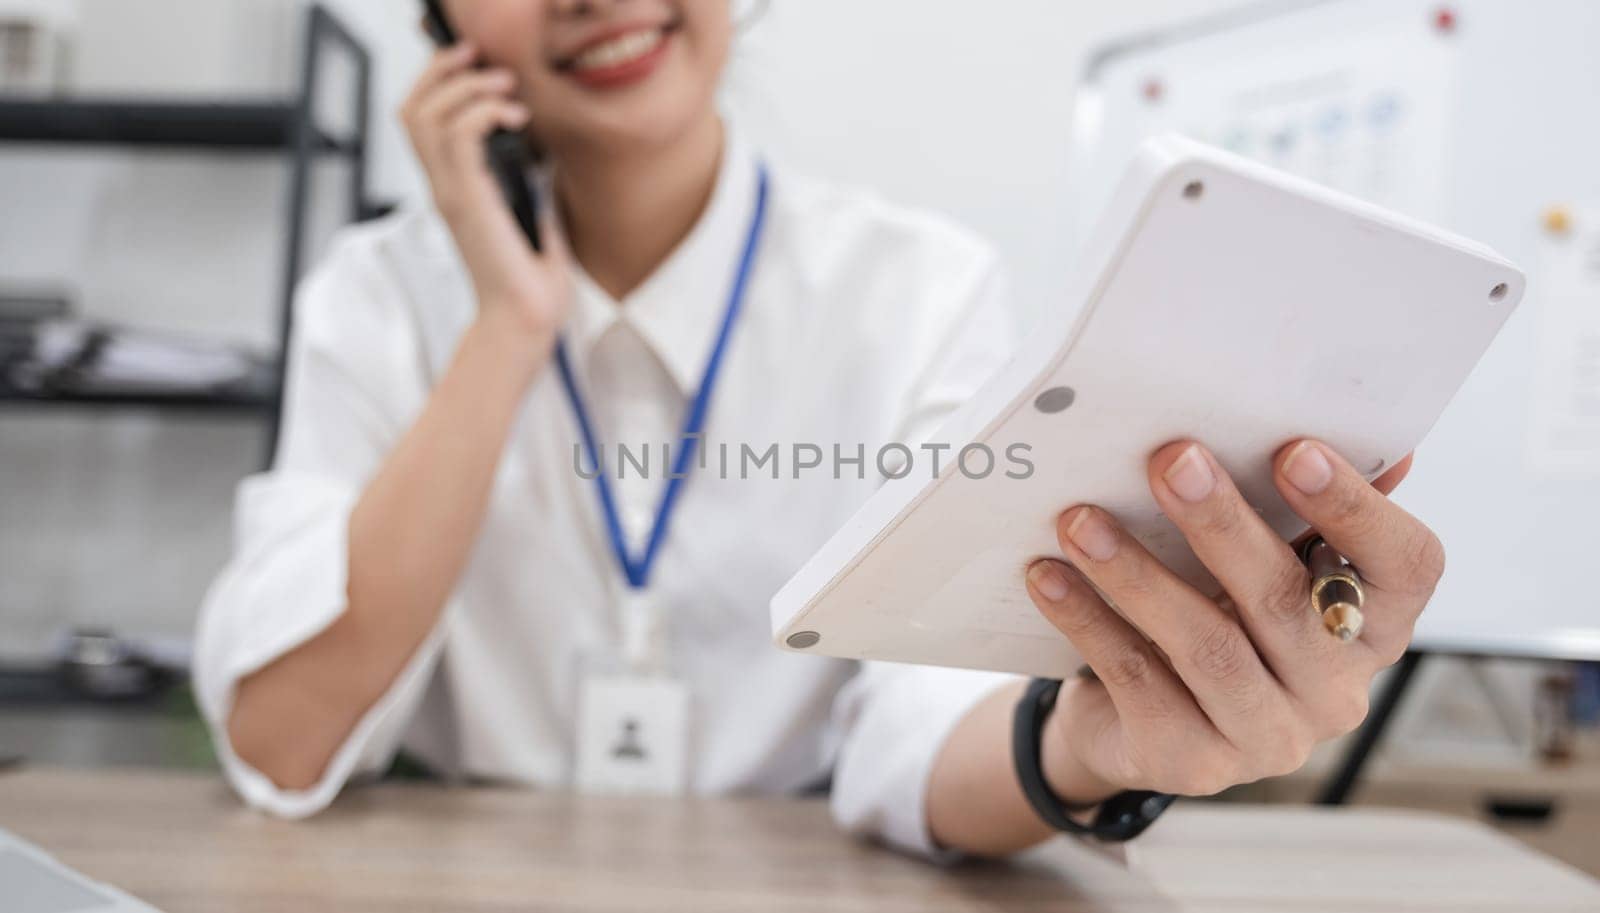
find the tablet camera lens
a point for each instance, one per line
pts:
(804, 640)
(1498, 293)
(1194, 190)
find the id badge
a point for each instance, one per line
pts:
(633, 736)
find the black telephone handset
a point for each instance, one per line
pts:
(507, 152)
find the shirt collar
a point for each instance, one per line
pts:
(679, 308)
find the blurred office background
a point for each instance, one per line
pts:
(147, 173)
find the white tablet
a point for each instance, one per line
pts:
(1226, 302)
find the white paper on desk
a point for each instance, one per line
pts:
(1123, 854)
(1564, 433)
(1093, 869)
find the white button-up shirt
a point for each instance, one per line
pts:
(864, 325)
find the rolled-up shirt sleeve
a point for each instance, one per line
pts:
(893, 719)
(896, 719)
(354, 381)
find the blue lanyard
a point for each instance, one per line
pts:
(637, 569)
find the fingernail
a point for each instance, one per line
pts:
(1048, 580)
(1190, 476)
(1090, 532)
(1308, 469)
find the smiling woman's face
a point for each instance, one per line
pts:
(606, 74)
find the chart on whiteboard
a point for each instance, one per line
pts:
(1367, 114)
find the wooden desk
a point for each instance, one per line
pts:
(183, 843)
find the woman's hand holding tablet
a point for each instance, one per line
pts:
(1249, 356)
(1191, 693)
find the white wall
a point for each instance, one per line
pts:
(959, 107)
(949, 104)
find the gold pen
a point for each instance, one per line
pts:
(1336, 590)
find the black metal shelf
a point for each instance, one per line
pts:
(265, 125)
(287, 127)
(244, 403)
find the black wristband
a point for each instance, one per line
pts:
(1124, 816)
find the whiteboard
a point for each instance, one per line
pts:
(1475, 115)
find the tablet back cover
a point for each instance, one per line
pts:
(1228, 303)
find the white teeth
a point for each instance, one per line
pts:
(619, 50)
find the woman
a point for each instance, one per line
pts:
(427, 563)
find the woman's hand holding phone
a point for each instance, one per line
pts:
(450, 114)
